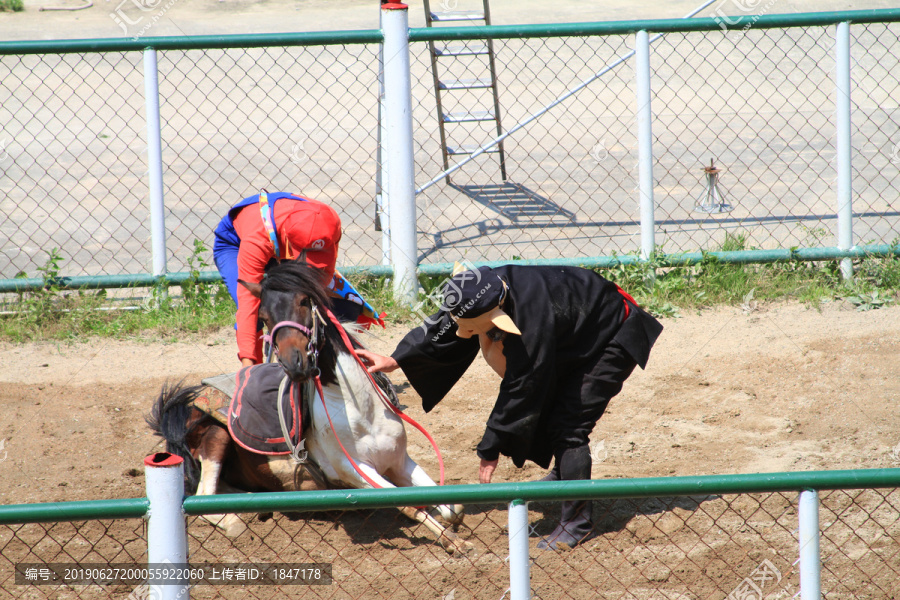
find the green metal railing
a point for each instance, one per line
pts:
(496, 32)
(443, 269)
(758, 509)
(83, 510)
(426, 34)
(463, 494)
(192, 42)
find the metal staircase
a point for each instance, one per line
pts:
(475, 54)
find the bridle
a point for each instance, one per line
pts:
(298, 452)
(312, 334)
(314, 384)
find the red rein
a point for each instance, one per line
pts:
(396, 410)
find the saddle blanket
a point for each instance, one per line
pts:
(251, 413)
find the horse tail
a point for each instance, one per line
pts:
(169, 418)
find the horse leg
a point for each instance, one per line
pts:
(446, 538)
(414, 475)
(212, 450)
(452, 514)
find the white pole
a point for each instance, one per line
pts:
(844, 173)
(645, 141)
(166, 532)
(519, 561)
(810, 561)
(382, 205)
(399, 138)
(154, 164)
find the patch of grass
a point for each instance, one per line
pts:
(714, 283)
(11, 6)
(51, 313)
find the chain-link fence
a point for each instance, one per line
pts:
(758, 101)
(233, 121)
(706, 547)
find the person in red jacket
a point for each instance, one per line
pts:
(269, 227)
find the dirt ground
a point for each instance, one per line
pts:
(204, 17)
(781, 387)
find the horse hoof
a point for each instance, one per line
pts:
(454, 545)
(461, 548)
(231, 525)
(234, 529)
(453, 515)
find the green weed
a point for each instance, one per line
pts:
(50, 313)
(11, 5)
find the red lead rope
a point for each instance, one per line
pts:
(396, 410)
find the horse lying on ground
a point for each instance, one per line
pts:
(353, 439)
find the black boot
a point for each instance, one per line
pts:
(553, 474)
(575, 523)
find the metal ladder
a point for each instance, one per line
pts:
(474, 51)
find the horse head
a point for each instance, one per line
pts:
(292, 305)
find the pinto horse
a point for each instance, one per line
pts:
(354, 439)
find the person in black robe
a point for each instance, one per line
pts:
(563, 339)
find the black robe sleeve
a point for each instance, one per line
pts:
(434, 358)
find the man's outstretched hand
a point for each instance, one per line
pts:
(486, 470)
(376, 362)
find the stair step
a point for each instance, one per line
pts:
(465, 84)
(470, 149)
(471, 50)
(469, 116)
(458, 15)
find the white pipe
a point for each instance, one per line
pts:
(519, 561)
(399, 138)
(645, 141)
(810, 560)
(382, 205)
(843, 141)
(559, 100)
(154, 163)
(166, 531)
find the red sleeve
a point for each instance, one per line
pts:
(253, 256)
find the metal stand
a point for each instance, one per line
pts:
(714, 200)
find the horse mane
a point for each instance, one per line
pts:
(292, 277)
(295, 276)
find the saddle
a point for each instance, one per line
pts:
(247, 403)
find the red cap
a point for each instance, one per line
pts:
(394, 6)
(315, 227)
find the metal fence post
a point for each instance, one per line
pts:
(645, 141)
(843, 141)
(154, 164)
(399, 134)
(382, 204)
(810, 561)
(519, 567)
(166, 531)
